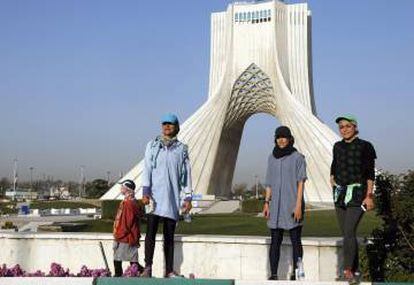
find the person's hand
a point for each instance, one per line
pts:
(266, 211)
(332, 181)
(369, 203)
(187, 206)
(297, 214)
(145, 199)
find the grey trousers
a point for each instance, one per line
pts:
(348, 219)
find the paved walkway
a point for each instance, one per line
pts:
(223, 207)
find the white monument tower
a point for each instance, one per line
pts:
(260, 62)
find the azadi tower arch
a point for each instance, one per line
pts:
(260, 62)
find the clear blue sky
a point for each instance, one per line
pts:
(85, 82)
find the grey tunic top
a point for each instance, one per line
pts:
(283, 175)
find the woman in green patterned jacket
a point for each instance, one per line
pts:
(352, 179)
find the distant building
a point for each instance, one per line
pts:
(21, 194)
(61, 192)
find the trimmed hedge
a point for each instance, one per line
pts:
(42, 205)
(252, 206)
(110, 207)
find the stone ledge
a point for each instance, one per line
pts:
(306, 241)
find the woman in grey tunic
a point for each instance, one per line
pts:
(284, 203)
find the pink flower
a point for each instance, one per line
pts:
(38, 273)
(132, 271)
(85, 272)
(15, 271)
(56, 270)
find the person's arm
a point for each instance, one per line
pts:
(268, 189)
(300, 178)
(187, 187)
(369, 174)
(297, 214)
(333, 168)
(332, 181)
(369, 197)
(268, 197)
(146, 175)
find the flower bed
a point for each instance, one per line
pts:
(56, 270)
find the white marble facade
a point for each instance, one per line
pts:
(260, 62)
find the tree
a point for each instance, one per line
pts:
(260, 189)
(390, 251)
(96, 188)
(240, 189)
(73, 188)
(4, 185)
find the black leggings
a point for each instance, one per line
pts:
(168, 231)
(277, 238)
(118, 267)
(348, 219)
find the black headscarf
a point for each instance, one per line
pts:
(283, 132)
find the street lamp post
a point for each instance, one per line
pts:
(108, 175)
(31, 179)
(14, 175)
(82, 181)
(257, 186)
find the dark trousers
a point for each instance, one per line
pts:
(277, 238)
(168, 231)
(118, 267)
(348, 219)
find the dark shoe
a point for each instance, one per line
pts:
(147, 272)
(140, 269)
(273, 277)
(350, 277)
(356, 279)
(173, 275)
(292, 277)
(358, 275)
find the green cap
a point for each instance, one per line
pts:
(350, 118)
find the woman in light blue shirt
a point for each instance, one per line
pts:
(166, 180)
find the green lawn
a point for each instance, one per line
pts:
(317, 224)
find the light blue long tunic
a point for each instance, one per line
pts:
(283, 175)
(167, 173)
